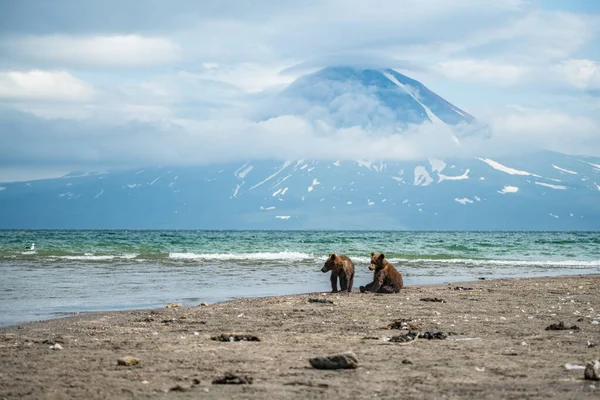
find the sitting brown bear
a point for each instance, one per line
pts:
(342, 267)
(386, 278)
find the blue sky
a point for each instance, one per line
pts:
(115, 84)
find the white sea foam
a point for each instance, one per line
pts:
(284, 255)
(398, 262)
(518, 263)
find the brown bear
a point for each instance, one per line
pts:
(342, 267)
(386, 278)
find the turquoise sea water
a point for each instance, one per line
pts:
(76, 271)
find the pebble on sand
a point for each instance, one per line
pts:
(592, 371)
(345, 360)
(128, 361)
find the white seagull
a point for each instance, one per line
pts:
(32, 247)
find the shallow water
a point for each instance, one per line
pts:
(77, 271)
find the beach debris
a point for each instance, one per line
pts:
(411, 336)
(480, 369)
(173, 305)
(404, 323)
(433, 299)
(169, 321)
(345, 360)
(128, 361)
(462, 288)
(235, 337)
(561, 327)
(56, 346)
(232, 379)
(406, 338)
(591, 344)
(434, 335)
(595, 322)
(592, 371)
(204, 303)
(324, 301)
(571, 367)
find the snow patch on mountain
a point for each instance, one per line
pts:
(454, 178)
(504, 168)
(422, 177)
(564, 170)
(99, 194)
(245, 172)
(364, 163)
(315, 182)
(2, 188)
(267, 208)
(463, 201)
(556, 187)
(437, 165)
(283, 217)
(283, 166)
(596, 166)
(414, 93)
(508, 189)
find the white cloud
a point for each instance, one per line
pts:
(43, 85)
(525, 129)
(580, 73)
(125, 51)
(482, 71)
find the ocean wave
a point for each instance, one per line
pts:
(519, 263)
(284, 255)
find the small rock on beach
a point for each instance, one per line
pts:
(592, 371)
(128, 361)
(346, 360)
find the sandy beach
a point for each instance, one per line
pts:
(497, 345)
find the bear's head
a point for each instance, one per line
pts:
(330, 263)
(377, 261)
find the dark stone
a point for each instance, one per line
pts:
(561, 327)
(232, 379)
(325, 301)
(337, 361)
(433, 299)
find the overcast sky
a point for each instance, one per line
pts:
(101, 84)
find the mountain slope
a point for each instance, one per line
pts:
(542, 191)
(547, 191)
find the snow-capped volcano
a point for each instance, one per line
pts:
(350, 96)
(543, 191)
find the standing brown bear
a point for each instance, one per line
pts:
(342, 267)
(386, 278)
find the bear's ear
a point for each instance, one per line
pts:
(332, 256)
(381, 257)
(372, 253)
